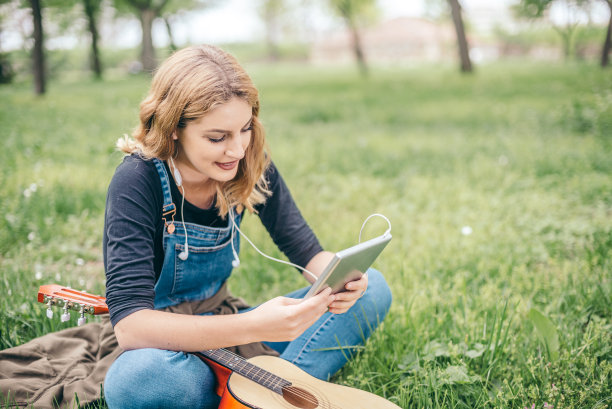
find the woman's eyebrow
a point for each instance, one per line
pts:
(226, 131)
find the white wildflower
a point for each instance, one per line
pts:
(466, 230)
(79, 261)
(10, 218)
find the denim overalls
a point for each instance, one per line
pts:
(157, 378)
(209, 262)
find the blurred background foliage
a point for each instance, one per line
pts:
(81, 36)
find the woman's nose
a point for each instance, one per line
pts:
(235, 149)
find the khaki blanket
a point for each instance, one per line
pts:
(67, 368)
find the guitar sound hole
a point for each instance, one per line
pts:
(300, 398)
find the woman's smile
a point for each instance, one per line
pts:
(227, 165)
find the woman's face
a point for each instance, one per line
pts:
(211, 146)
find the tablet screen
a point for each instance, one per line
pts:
(349, 264)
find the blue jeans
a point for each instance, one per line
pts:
(155, 378)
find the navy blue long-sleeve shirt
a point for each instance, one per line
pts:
(133, 231)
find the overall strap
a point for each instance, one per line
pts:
(169, 209)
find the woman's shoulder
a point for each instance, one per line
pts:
(135, 167)
(138, 175)
(271, 174)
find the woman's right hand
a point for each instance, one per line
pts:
(285, 319)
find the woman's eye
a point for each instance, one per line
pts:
(249, 128)
(217, 140)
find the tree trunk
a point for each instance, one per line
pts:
(95, 63)
(567, 38)
(357, 47)
(173, 46)
(464, 52)
(38, 53)
(147, 56)
(605, 53)
(271, 20)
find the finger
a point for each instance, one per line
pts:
(341, 305)
(321, 300)
(338, 310)
(358, 285)
(348, 295)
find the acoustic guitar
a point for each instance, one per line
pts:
(265, 382)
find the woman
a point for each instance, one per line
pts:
(196, 163)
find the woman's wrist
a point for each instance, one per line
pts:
(317, 264)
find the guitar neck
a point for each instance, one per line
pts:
(239, 365)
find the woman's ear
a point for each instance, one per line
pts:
(174, 136)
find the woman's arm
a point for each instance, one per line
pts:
(284, 222)
(280, 319)
(317, 264)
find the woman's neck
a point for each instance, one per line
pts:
(197, 191)
(203, 198)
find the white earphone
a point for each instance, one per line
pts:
(236, 260)
(183, 255)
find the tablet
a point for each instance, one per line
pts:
(349, 264)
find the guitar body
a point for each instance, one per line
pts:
(306, 392)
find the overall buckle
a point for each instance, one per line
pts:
(169, 210)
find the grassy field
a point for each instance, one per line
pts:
(498, 185)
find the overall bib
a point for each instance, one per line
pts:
(155, 378)
(209, 262)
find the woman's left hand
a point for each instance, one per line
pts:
(346, 299)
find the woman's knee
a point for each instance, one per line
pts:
(146, 378)
(376, 301)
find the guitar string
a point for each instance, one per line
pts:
(306, 396)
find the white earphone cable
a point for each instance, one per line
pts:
(183, 255)
(368, 218)
(270, 257)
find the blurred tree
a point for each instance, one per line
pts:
(437, 9)
(271, 12)
(537, 9)
(168, 22)
(38, 52)
(147, 11)
(353, 11)
(464, 51)
(605, 52)
(92, 9)
(64, 14)
(175, 9)
(6, 70)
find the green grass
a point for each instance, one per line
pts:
(522, 154)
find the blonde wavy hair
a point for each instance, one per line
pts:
(190, 83)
